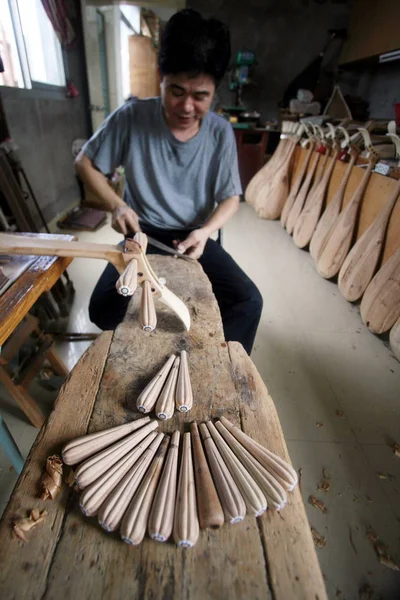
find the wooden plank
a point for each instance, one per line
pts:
(85, 561)
(25, 567)
(293, 573)
(379, 189)
(154, 569)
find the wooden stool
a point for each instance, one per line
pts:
(17, 383)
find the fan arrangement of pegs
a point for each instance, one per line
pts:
(169, 389)
(129, 479)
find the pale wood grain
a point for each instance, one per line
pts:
(361, 262)
(82, 561)
(380, 305)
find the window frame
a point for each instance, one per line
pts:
(29, 83)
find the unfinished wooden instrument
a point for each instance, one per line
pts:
(121, 257)
(339, 240)
(268, 190)
(306, 188)
(331, 213)
(361, 262)
(294, 190)
(309, 216)
(380, 305)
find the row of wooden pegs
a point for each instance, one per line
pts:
(132, 484)
(168, 389)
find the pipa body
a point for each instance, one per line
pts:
(309, 216)
(298, 203)
(339, 240)
(331, 212)
(294, 190)
(380, 305)
(361, 262)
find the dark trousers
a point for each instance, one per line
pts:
(238, 298)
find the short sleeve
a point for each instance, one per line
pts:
(107, 147)
(227, 182)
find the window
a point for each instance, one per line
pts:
(29, 48)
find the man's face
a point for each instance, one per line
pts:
(186, 99)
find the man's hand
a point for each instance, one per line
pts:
(194, 244)
(125, 220)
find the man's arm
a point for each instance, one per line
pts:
(194, 244)
(124, 219)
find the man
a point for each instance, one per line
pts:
(181, 175)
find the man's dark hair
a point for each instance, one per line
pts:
(194, 45)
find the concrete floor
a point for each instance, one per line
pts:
(336, 388)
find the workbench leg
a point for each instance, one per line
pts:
(57, 364)
(25, 401)
(10, 447)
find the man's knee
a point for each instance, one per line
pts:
(255, 300)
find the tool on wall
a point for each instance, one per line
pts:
(139, 273)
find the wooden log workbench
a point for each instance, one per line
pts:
(70, 556)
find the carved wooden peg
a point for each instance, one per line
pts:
(184, 394)
(127, 282)
(148, 317)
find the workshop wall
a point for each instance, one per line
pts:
(44, 124)
(286, 36)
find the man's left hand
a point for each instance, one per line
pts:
(194, 244)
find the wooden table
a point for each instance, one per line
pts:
(14, 306)
(23, 293)
(70, 556)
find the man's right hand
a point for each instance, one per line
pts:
(125, 220)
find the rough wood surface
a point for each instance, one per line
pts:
(71, 557)
(23, 293)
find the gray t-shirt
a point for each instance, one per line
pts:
(169, 183)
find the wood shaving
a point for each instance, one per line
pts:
(51, 480)
(319, 424)
(325, 474)
(340, 413)
(319, 540)
(386, 476)
(318, 504)
(396, 450)
(382, 552)
(24, 524)
(324, 486)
